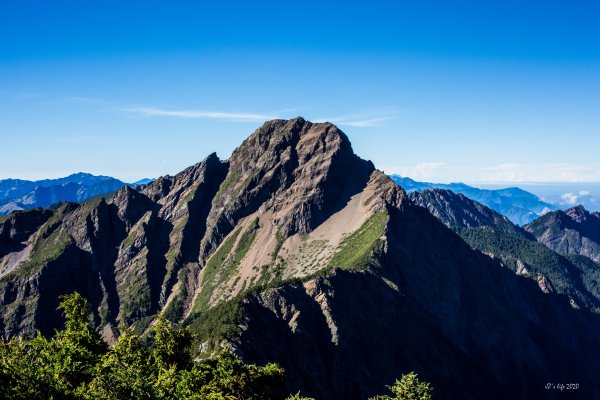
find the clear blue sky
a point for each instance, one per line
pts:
(445, 91)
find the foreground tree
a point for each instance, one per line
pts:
(57, 368)
(409, 387)
(76, 364)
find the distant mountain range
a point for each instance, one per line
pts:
(562, 194)
(518, 205)
(18, 194)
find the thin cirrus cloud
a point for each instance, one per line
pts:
(560, 172)
(503, 173)
(359, 120)
(364, 123)
(372, 119)
(425, 171)
(199, 114)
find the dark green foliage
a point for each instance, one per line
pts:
(140, 326)
(590, 272)
(217, 323)
(409, 387)
(125, 371)
(76, 364)
(57, 368)
(279, 240)
(298, 396)
(579, 282)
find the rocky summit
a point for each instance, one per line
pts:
(295, 250)
(573, 231)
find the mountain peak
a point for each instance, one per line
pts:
(573, 231)
(578, 213)
(279, 133)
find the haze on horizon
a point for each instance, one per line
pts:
(502, 93)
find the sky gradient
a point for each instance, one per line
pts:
(468, 91)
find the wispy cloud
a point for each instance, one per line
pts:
(357, 120)
(502, 173)
(370, 119)
(366, 123)
(426, 171)
(570, 198)
(200, 114)
(560, 172)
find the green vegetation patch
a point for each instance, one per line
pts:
(76, 364)
(48, 246)
(224, 262)
(128, 241)
(174, 310)
(141, 325)
(356, 251)
(590, 274)
(190, 195)
(220, 322)
(562, 273)
(136, 299)
(279, 239)
(231, 178)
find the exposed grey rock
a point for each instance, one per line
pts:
(573, 231)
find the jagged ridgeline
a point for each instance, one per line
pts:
(565, 271)
(297, 251)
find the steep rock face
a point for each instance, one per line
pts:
(458, 211)
(432, 305)
(282, 183)
(573, 231)
(123, 253)
(18, 227)
(295, 169)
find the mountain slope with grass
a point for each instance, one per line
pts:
(296, 251)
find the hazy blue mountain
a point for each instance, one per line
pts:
(11, 189)
(144, 181)
(17, 194)
(566, 194)
(518, 205)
